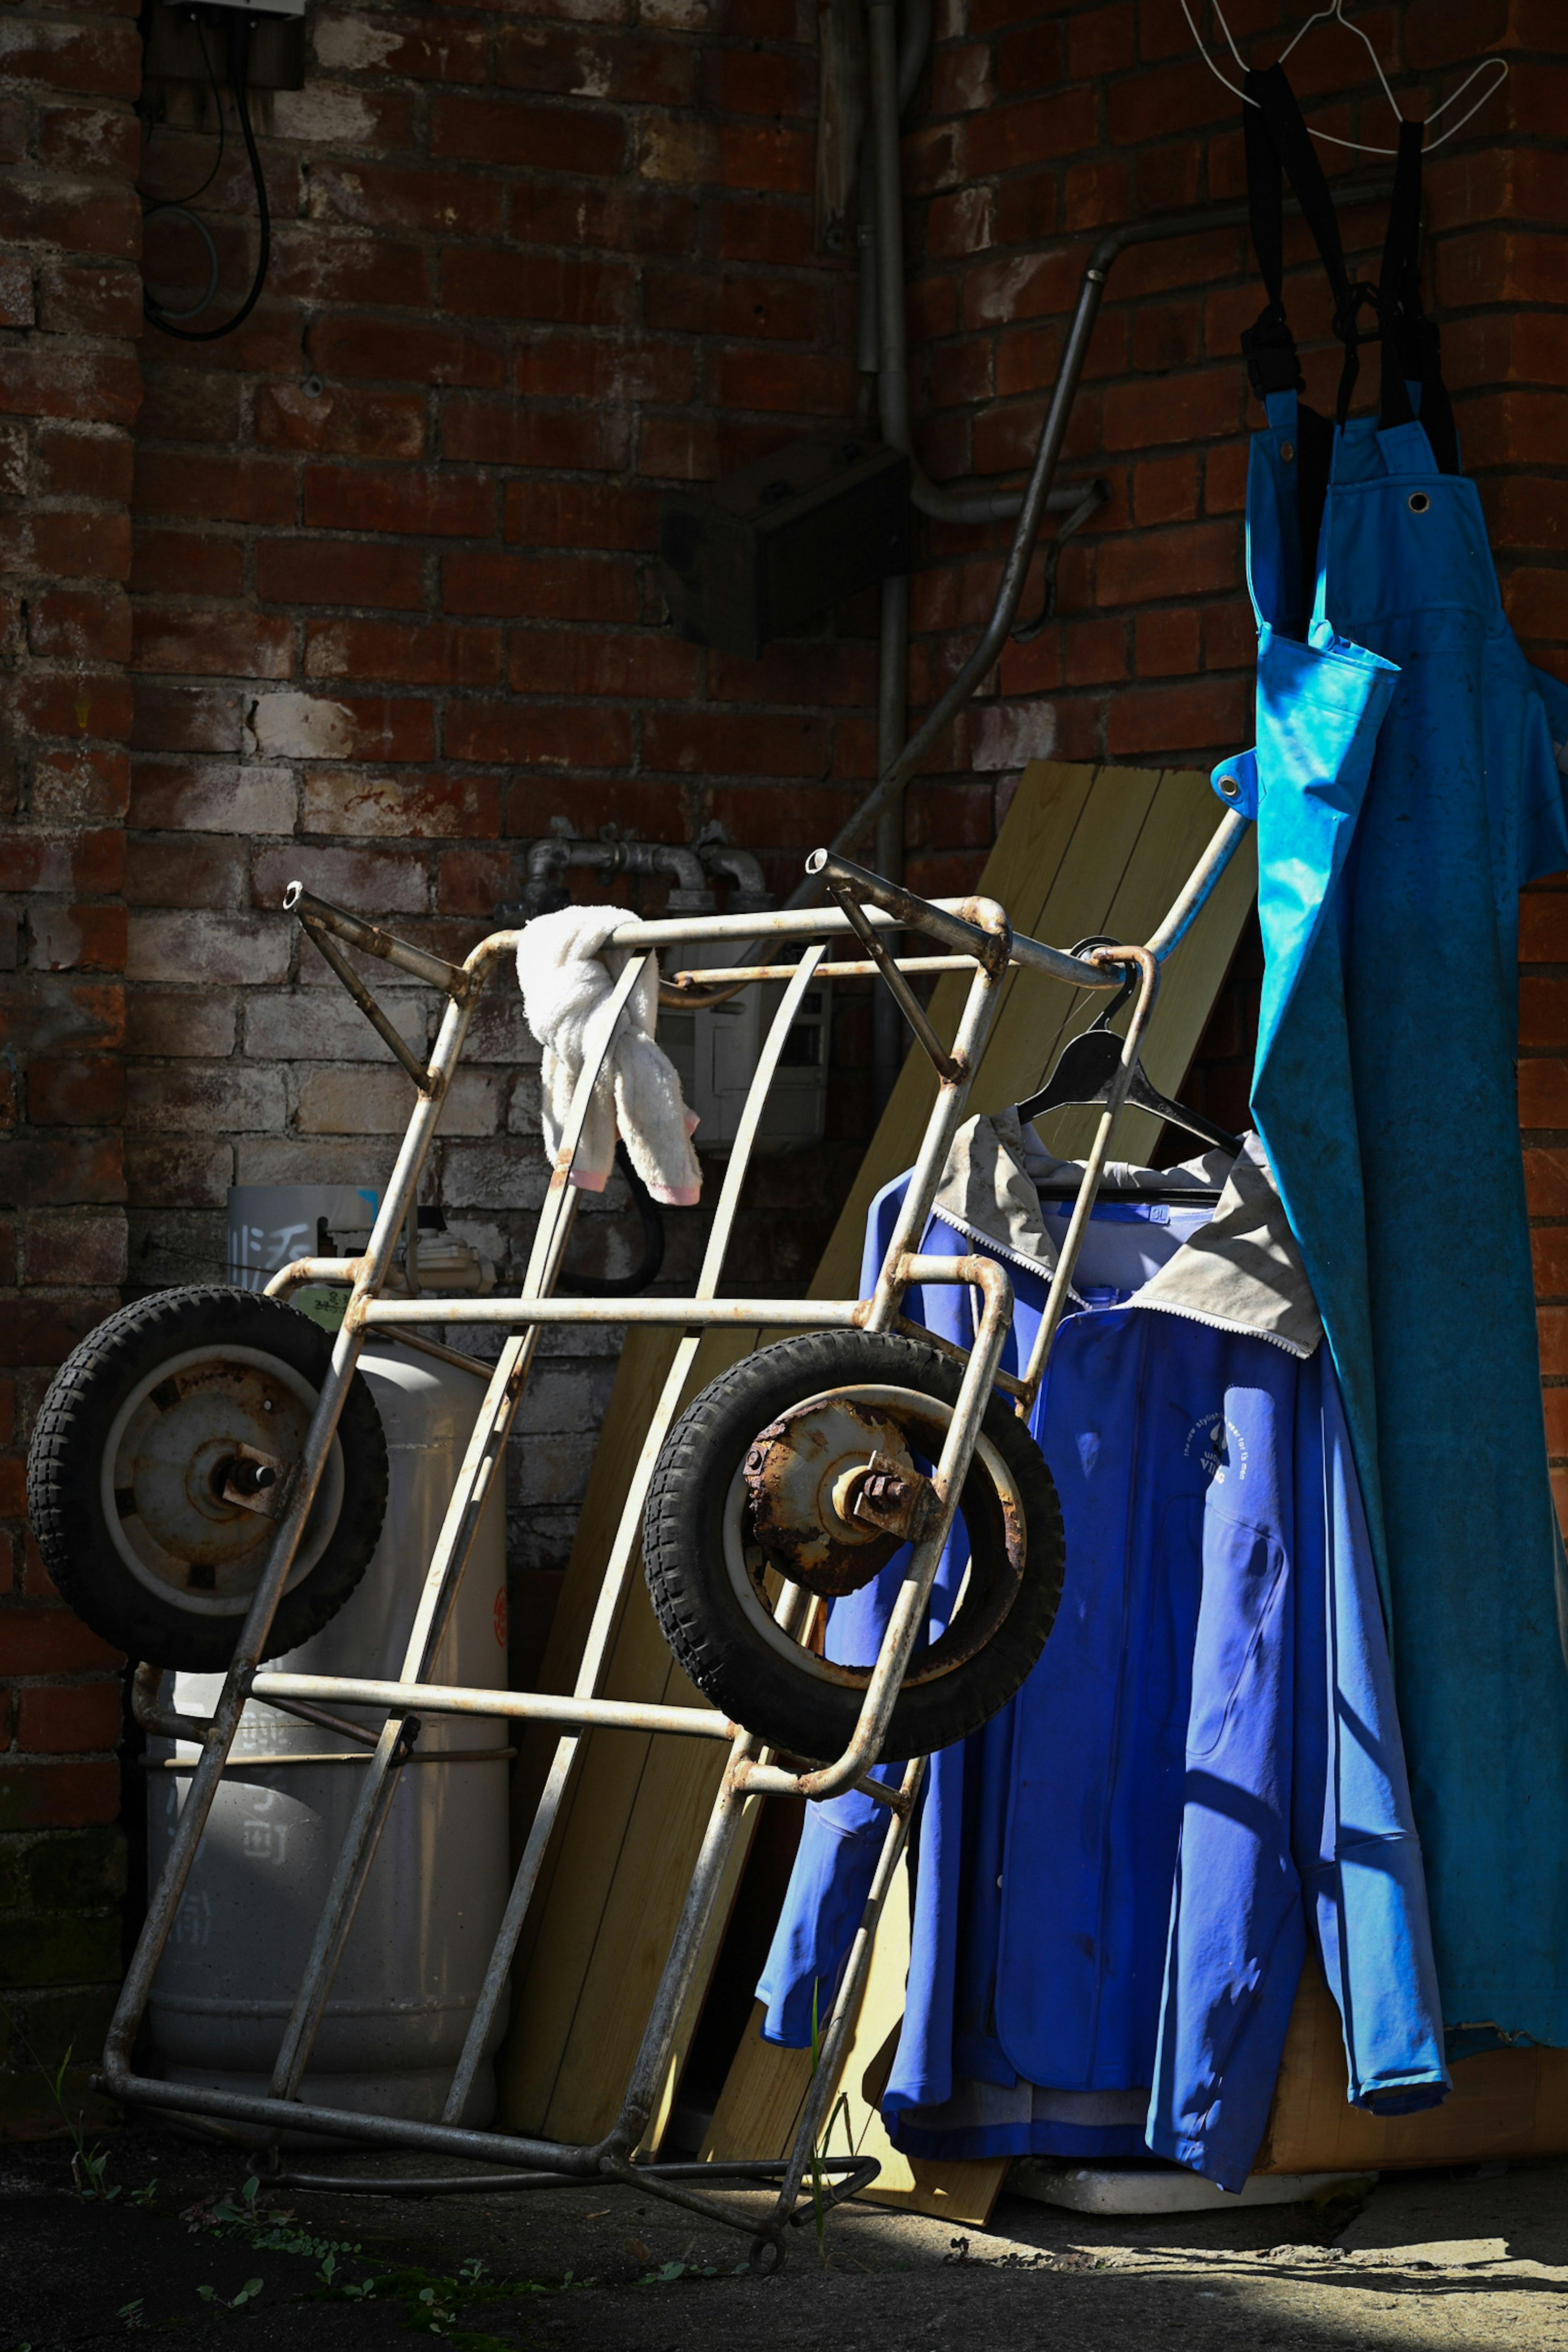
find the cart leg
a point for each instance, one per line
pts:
(169, 1892)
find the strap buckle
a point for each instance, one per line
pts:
(1269, 349)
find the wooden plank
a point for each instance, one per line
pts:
(621, 1858)
(964, 2193)
(1504, 2102)
(760, 2109)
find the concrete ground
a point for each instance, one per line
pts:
(1438, 2260)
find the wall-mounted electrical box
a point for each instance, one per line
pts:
(716, 1048)
(185, 41)
(767, 551)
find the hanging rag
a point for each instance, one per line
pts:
(567, 971)
(1116, 1882)
(1407, 783)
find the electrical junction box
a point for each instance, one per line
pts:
(187, 41)
(769, 550)
(716, 1049)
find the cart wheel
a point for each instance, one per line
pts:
(799, 1463)
(160, 1458)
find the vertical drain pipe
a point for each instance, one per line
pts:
(884, 343)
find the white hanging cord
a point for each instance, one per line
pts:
(1496, 68)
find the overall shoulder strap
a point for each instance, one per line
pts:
(1273, 148)
(1410, 339)
(1268, 345)
(1274, 127)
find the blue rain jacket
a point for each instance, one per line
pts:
(1116, 1880)
(1406, 785)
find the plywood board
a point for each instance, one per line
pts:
(1505, 2103)
(1082, 851)
(760, 2109)
(621, 1859)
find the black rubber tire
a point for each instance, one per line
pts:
(717, 1642)
(65, 1476)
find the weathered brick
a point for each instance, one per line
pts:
(488, 285)
(187, 563)
(423, 503)
(402, 351)
(405, 653)
(553, 587)
(579, 515)
(385, 195)
(77, 937)
(319, 727)
(212, 796)
(583, 438)
(591, 663)
(537, 735)
(184, 873)
(42, 1331)
(199, 487)
(194, 945)
(217, 1098)
(313, 1025)
(66, 545)
(410, 805)
(186, 717)
(80, 789)
(82, 215)
(81, 1090)
(65, 1795)
(339, 571)
(360, 1101)
(91, 862)
(216, 645)
(355, 41)
(382, 881)
(340, 420)
(73, 1720)
(80, 703)
(60, 1167)
(579, 139)
(176, 1024)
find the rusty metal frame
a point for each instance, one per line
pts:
(975, 935)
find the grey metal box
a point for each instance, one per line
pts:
(771, 548)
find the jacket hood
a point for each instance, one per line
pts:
(1242, 1271)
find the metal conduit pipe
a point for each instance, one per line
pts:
(1035, 500)
(549, 859)
(751, 894)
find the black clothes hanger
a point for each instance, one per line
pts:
(1087, 1064)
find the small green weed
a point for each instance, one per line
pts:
(90, 2166)
(132, 2315)
(271, 2228)
(248, 2295)
(436, 2305)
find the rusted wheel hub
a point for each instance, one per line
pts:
(833, 1492)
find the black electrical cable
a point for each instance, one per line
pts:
(172, 204)
(239, 52)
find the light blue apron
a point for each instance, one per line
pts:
(1406, 785)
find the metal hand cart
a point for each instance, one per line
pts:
(971, 935)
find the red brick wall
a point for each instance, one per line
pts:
(394, 601)
(70, 307)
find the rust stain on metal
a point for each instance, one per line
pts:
(833, 1492)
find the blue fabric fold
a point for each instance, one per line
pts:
(1116, 1881)
(1406, 787)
